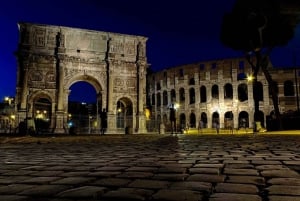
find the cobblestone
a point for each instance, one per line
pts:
(151, 167)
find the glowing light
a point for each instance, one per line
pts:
(250, 78)
(147, 113)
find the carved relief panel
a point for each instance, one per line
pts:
(39, 35)
(124, 85)
(42, 79)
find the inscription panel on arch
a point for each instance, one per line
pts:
(123, 84)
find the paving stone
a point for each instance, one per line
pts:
(284, 190)
(14, 189)
(236, 188)
(235, 171)
(111, 168)
(73, 180)
(130, 194)
(135, 175)
(210, 170)
(19, 173)
(239, 166)
(90, 192)
(142, 169)
(177, 195)
(75, 174)
(149, 184)
(171, 169)
(233, 197)
(207, 178)
(266, 162)
(60, 167)
(284, 198)
(170, 177)
(209, 165)
(104, 173)
(236, 161)
(13, 179)
(271, 167)
(46, 173)
(13, 198)
(115, 182)
(40, 180)
(284, 181)
(35, 167)
(192, 185)
(294, 162)
(256, 180)
(280, 173)
(44, 190)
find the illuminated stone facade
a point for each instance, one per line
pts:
(52, 58)
(218, 91)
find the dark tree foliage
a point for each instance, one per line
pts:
(256, 27)
(256, 24)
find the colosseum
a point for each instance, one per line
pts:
(204, 93)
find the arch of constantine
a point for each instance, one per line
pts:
(52, 58)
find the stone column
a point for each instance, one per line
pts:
(141, 98)
(111, 110)
(23, 110)
(25, 91)
(59, 121)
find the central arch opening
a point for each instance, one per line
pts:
(84, 106)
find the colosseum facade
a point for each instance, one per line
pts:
(217, 91)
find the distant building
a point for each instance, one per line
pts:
(7, 115)
(218, 91)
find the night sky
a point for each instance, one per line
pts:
(179, 32)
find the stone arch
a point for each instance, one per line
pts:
(259, 116)
(182, 121)
(215, 91)
(85, 78)
(242, 92)
(243, 119)
(204, 119)
(192, 120)
(41, 109)
(228, 120)
(215, 119)
(192, 95)
(228, 91)
(99, 66)
(124, 113)
(203, 96)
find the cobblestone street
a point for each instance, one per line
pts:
(151, 167)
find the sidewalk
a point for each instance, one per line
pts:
(208, 131)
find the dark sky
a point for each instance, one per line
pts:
(179, 32)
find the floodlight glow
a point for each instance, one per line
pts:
(250, 78)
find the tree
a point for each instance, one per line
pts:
(256, 27)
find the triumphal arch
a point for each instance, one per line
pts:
(52, 58)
